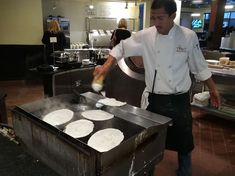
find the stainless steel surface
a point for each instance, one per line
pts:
(93, 54)
(126, 69)
(99, 30)
(106, 23)
(132, 114)
(79, 79)
(126, 82)
(141, 149)
(82, 53)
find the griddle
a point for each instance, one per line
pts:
(142, 147)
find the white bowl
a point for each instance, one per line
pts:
(86, 61)
(213, 62)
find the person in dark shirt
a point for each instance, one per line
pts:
(54, 39)
(120, 33)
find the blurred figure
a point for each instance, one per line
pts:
(230, 30)
(120, 33)
(54, 39)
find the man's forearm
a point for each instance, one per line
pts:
(211, 85)
(108, 64)
(101, 71)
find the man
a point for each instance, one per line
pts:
(170, 52)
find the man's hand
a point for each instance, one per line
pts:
(215, 99)
(214, 94)
(99, 72)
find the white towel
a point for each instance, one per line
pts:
(144, 99)
(202, 96)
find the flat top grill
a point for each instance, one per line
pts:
(142, 129)
(130, 120)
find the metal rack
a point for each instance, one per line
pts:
(224, 80)
(104, 27)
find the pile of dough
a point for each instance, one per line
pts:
(79, 128)
(105, 140)
(58, 117)
(97, 115)
(111, 102)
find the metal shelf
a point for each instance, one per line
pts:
(226, 112)
(224, 80)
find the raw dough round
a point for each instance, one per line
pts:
(97, 115)
(58, 117)
(111, 102)
(79, 128)
(105, 140)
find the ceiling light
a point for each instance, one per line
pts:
(91, 6)
(195, 14)
(228, 6)
(197, 1)
(54, 5)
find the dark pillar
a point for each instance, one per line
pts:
(3, 109)
(216, 23)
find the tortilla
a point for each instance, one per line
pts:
(111, 102)
(79, 128)
(58, 117)
(97, 115)
(105, 140)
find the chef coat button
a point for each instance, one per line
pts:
(158, 51)
(169, 80)
(169, 66)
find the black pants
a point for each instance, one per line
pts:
(177, 107)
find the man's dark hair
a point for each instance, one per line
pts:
(168, 5)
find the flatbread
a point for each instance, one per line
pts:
(105, 140)
(97, 115)
(111, 102)
(58, 117)
(79, 128)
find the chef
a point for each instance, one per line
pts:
(170, 53)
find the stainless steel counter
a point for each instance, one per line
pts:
(137, 154)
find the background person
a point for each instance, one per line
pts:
(120, 33)
(170, 52)
(53, 31)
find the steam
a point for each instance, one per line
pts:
(52, 105)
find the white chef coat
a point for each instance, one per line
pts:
(172, 56)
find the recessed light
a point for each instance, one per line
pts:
(197, 1)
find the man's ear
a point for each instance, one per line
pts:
(172, 16)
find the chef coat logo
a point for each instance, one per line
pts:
(180, 49)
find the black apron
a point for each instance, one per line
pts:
(177, 107)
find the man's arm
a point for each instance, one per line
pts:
(129, 47)
(101, 71)
(214, 94)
